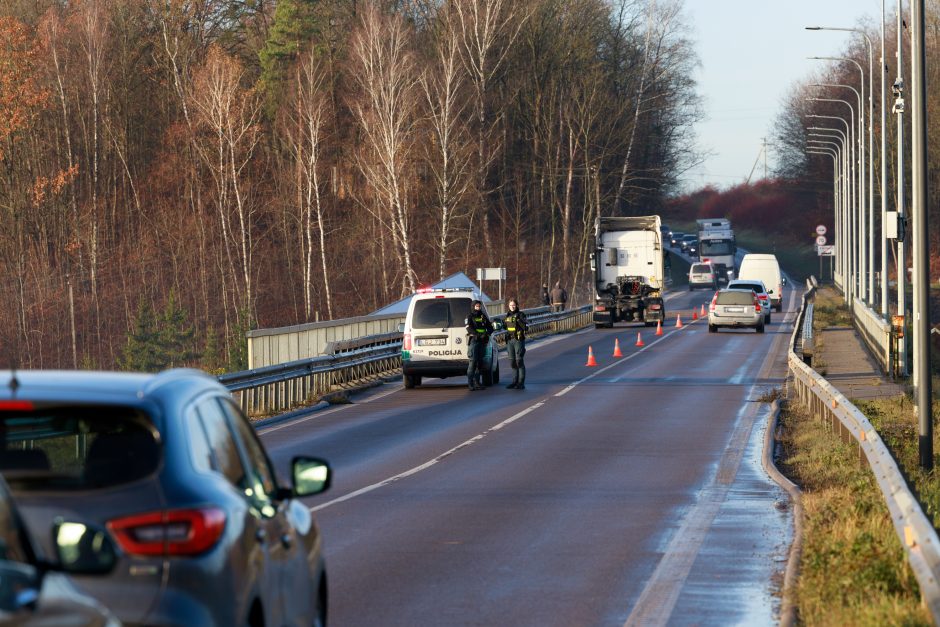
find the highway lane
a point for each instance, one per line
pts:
(586, 499)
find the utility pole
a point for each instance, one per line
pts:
(921, 278)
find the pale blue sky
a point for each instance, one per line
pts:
(752, 52)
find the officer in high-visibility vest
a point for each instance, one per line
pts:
(479, 330)
(516, 327)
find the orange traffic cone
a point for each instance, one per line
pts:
(694, 315)
(639, 340)
(702, 314)
(678, 321)
(659, 327)
(617, 352)
(591, 361)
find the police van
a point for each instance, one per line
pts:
(435, 337)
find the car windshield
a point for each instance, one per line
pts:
(748, 286)
(720, 247)
(76, 447)
(735, 297)
(440, 313)
(701, 268)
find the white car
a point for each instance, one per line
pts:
(702, 275)
(735, 308)
(758, 287)
(435, 337)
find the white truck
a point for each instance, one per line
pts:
(717, 246)
(628, 271)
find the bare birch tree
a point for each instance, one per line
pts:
(303, 133)
(384, 72)
(229, 115)
(487, 30)
(449, 153)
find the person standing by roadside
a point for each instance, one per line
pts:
(479, 329)
(516, 327)
(559, 297)
(546, 299)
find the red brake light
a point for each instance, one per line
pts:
(656, 307)
(756, 303)
(599, 308)
(174, 532)
(711, 305)
(16, 406)
(406, 342)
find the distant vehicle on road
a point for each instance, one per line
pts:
(717, 245)
(735, 308)
(689, 244)
(435, 337)
(765, 268)
(675, 238)
(702, 275)
(171, 467)
(758, 288)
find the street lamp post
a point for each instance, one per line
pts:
(852, 255)
(840, 209)
(836, 194)
(861, 125)
(871, 149)
(848, 186)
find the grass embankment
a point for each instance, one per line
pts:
(853, 569)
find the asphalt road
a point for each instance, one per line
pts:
(627, 493)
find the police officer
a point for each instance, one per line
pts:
(515, 344)
(479, 329)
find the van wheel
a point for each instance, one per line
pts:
(779, 307)
(712, 328)
(760, 328)
(769, 319)
(409, 381)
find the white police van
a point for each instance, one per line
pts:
(435, 337)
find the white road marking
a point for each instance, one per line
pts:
(429, 463)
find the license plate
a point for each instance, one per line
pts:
(431, 341)
(734, 309)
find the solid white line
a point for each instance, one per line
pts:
(429, 463)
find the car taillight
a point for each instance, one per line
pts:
(173, 532)
(406, 342)
(756, 304)
(656, 307)
(16, 406)
(711, 306)
(599, 308)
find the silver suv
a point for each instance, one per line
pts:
(435, 337)
(735, 308)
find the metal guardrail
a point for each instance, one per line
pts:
(875, 332)
(917, 534)
(279, 387)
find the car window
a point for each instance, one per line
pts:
(735, 297)
(716, 248)
(259, 485)
(224, 451)
(440, 313)
(77, 447)
(748, 286)
(701, 267)
(199, 449)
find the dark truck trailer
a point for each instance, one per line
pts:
(628, 271)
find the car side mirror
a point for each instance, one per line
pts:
(311, 475)
(83, 549)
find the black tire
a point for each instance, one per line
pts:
(691, 288)
(409, 381)
(779, 307)
(768, 320)
(760, 328)
(712, 328)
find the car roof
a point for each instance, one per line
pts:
(91, 386)
(734, 282)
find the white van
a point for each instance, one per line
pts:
(435, 337)
(765, 268)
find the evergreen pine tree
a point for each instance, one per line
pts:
(176, 335)
(143, 351)
(293, 27)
